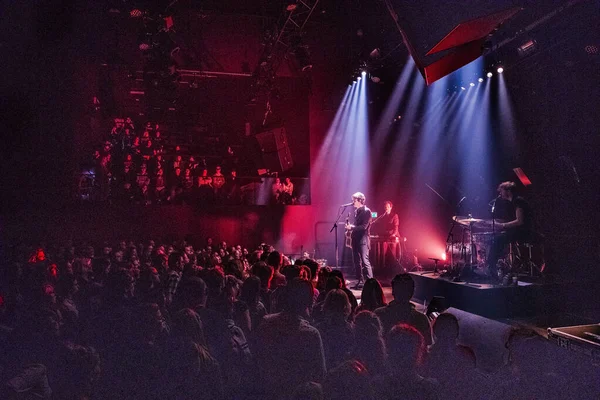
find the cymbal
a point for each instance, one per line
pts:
(466, 220)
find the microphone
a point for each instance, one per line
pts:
(494, 203)
(346, 205)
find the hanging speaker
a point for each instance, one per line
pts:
(275, 150)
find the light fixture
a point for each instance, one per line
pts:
(480, 80)
(500, 70)
(375, 53)
(364, 73)
(527, 48)
(463, 88)
(489, 74)
(471, 84)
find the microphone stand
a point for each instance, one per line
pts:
(335, 227)
(450, 238)
(494, 222)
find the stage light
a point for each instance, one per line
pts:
(480, 80)
(500, 70)
(364, 73)
(463, 88)
(444, 256)
(527, 48)
(375, 54)
(489, 74)
(471, 84)
(358, 79)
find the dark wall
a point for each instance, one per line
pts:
(94, 224)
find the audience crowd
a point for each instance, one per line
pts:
(145, 166)
(163, 320)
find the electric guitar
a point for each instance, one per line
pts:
(348, 234)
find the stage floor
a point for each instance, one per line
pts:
(540, 303)
(523, 300)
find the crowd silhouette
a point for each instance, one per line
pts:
(167, 320)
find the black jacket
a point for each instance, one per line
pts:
(362, 226)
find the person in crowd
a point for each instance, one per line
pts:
(348, 381)
(351, 296)
(157, 163)
(178, 162)
(265, 273)
(218, 180)
(369, 345)
(406, 351)
(337, 333)
(188, 179)
(177, 178)
(66, 290)
(250, 294)
(276, 190)
(275, 260)
(401, 310)
(288, 349)
(372, 296)
(160, 185)
(147, 150)
(238, 310)
(189, 370)
(287, 191)
(176, 262)
(451, 364)
(193, 166)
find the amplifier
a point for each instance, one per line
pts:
(583, 339)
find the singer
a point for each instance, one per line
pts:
(361, 239)
(514, 209)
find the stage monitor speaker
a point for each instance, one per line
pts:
(275, 150)
(443, 36)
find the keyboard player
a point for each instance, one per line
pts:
(387, 247)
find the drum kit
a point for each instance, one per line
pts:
(471, 248)
(469, 253)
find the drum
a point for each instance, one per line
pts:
(482, 241)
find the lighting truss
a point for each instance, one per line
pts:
(279, 43)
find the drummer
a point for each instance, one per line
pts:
(518, 213)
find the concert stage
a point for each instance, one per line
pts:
(494, 301)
